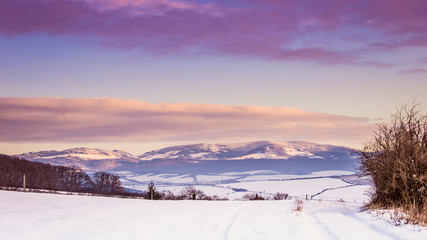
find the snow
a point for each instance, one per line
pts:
(359, 193)
(198, 155)
(208, 190)
(332, 173)
(296, 152)
(170, 178)
(48, 216)
(250, 172)
(252, 156)
(259, 176)
(82, 156)
(213, 178)
(170, 154)
(272, 177)
(261, 181)
(249, 150)
(299, 187)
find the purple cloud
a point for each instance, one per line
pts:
(332, 32)
(412, 71)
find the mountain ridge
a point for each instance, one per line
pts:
(239, 151)
(187, 157)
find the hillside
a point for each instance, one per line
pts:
(207, 158)
(48, 217)
(90, 159)
(213, 164)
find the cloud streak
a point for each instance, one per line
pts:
(115, 120)
(413, 71)
(327, 32)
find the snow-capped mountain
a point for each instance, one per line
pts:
(288, 157)
(91, 159)
(236, 151)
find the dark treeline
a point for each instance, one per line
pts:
(187, 193)
(58, 178)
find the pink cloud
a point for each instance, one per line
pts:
(412, 71)
(329, 32)
(110, 120)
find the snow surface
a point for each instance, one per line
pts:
(82, 156)
(240, 151)
(299, 187)
(234, 185)
(250, 172)
(36, 216)
(170, 178)
(214, 178)
(358, 193)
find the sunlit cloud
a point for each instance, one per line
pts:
(116, 120)
(412, 71)
(332, 32)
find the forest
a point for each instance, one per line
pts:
(20, 173)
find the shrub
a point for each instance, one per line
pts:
(191, 193)
(298, 205)
(253, 196)
(396, 160)
(280, 196)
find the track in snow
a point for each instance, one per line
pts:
(45, 216)
(341, 222)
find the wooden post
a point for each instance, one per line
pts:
(24, 182)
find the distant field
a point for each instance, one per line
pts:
(234, 185)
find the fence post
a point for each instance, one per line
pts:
(24, 183)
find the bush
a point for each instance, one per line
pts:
(191, 193)
(396, 160)
(280, 196)
(298, 205)
(253, 196)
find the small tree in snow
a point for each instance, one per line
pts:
(152, 192)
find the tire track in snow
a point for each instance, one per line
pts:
(159, 229)
(223, 223)
(216, 224)
(343, 225)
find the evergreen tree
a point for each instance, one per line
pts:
(152, 192)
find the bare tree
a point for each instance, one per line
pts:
(107, 183)
(191, 193)
(396, 160)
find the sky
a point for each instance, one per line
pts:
(137, 75)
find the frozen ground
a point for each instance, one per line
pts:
(233, 185)
(47, 216)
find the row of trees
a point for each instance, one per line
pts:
(191, 193)
(256, 196)
(59, 178)
(187, 193)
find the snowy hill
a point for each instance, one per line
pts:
(211, 164)
(251, 150)
(86, 158)
(289, 157)
(66, 217)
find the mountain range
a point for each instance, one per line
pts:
(287, 157)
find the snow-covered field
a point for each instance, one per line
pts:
(48, 216)
(327, 185)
